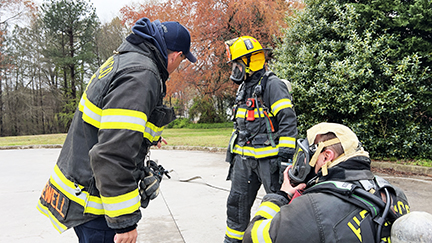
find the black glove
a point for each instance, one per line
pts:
(284, 160)
(149, 186)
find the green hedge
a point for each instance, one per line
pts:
(352, 62)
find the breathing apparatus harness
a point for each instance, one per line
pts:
(258, 93)
(361, 196)
(367, 196)
(255, 102)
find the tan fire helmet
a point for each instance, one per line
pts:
(344, 135)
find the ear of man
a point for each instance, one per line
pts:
(329, 154)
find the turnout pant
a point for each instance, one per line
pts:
(95, 231)
(247, 175)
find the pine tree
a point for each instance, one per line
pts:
(72, 26)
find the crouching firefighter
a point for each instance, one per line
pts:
(329, 194)
(265, 129)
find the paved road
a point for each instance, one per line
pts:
(191, 212)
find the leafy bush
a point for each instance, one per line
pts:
(206, 111)
(352, 62)
(179, 123)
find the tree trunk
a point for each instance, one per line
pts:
(72, 66)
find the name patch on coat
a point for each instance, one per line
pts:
(55, 200)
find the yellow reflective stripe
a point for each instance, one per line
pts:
(287, 142)
(91, 113)
(256, 115)
(152, 132)
(234, 234)
(267, 210)
(111, 206)
(123, 204)
(260, 231)
(67, 187)
(94, 206)
(242, 113)
(281, 104)
(257, 153)
(45, 211)
(91, 204)
(118, 119)
(268, 151)
(123, 119)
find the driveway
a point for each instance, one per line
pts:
(190, 207)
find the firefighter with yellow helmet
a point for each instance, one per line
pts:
(265, 129)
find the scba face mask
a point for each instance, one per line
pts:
(301, 171)
(238, 72)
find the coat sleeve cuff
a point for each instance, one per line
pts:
(124, 230)
(277, 198)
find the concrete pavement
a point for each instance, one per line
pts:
(191, 211)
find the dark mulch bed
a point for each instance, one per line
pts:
(391, 171)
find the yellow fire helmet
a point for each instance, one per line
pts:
(248, 49)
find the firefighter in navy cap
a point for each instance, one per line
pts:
(102, 177)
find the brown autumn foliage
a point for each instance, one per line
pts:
(211, 22)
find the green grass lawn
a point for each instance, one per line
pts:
(216, 137)
(33, 140)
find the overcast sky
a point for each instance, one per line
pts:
(107, 9)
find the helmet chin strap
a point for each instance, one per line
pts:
(248, 73)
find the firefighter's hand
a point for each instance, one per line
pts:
(128, 237)
(162, 140)
(287, 187)
(149, 187)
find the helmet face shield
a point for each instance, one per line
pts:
(301, 171)
(238, 72)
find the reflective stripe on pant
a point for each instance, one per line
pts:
(95, 231)
(247, 176)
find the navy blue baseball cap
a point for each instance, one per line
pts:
(177, 38)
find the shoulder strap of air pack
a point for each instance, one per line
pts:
(351, 193)
(259, 89)
(263, 83)
(265, 78)
(360, 197)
